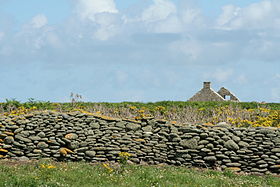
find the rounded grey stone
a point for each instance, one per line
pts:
(230, 144)
(18, 130)
(276, 150)
(90, 153)
(41, 134)
(26, 140)
(210, 158)
(243, 144)
(233, 164)
(133, 126)
(191, 143)
(94, 125)
(42, 145)
(9, 139)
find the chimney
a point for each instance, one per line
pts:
(206, 85)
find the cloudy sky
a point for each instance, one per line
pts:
(138, 50)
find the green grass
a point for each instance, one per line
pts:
(46, 105)
(237, 114)
(84, 174)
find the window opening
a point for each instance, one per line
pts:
(227, 97)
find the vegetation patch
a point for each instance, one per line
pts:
(47, 173)
(242, 114)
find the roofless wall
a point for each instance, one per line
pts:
(208, 94)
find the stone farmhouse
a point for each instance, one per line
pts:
(208, 94)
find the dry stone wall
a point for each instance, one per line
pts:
(82, 137)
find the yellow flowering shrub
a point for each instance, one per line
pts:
(107, 167)
(261, 117)
(47, 166)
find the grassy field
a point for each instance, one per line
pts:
(237, 114)
(46, 105)
(53, 174)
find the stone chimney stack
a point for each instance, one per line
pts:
(206, 85)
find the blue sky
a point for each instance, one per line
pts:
(138, 50)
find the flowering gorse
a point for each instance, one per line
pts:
(47, 166)
(107, 167)
(124, 156)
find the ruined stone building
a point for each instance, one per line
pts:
(208, 94)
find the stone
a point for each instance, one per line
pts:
(41, 134)
(233, 164)
(243, 144)
(26, 140)
(147, 128)
(223, 125)
(94, 125)
(18, 130)
(90, 132)
(34, 138)
(275, 167)
(276, 140)
(73, 145)
(222, 156)
(210, 158)
(266, 131)
(90, 153)
(9, 140)
(71, 136)
(206, 150)
(42, 145)
(257, 170)
(37, 151)
(276, 150)
(203, 135)
(12, 127)
(230, 144)
(191, 143)
(235, 158)
(17, 144)
(210, 146)
(133, 126)
(189, 130)
(203, 142)
(263, 166)
(121, 124)
(233, 169)
(21, 159)
(236, 139)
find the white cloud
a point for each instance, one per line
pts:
(190, 15)
(39, 21)
(191, 49)
(171, 25)
(108, 26)
(53, 40)
(159, 10)
(87, 9)
(229, 12)
(104, 33)
(103, 16)
(220, 75)
(260, 15)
